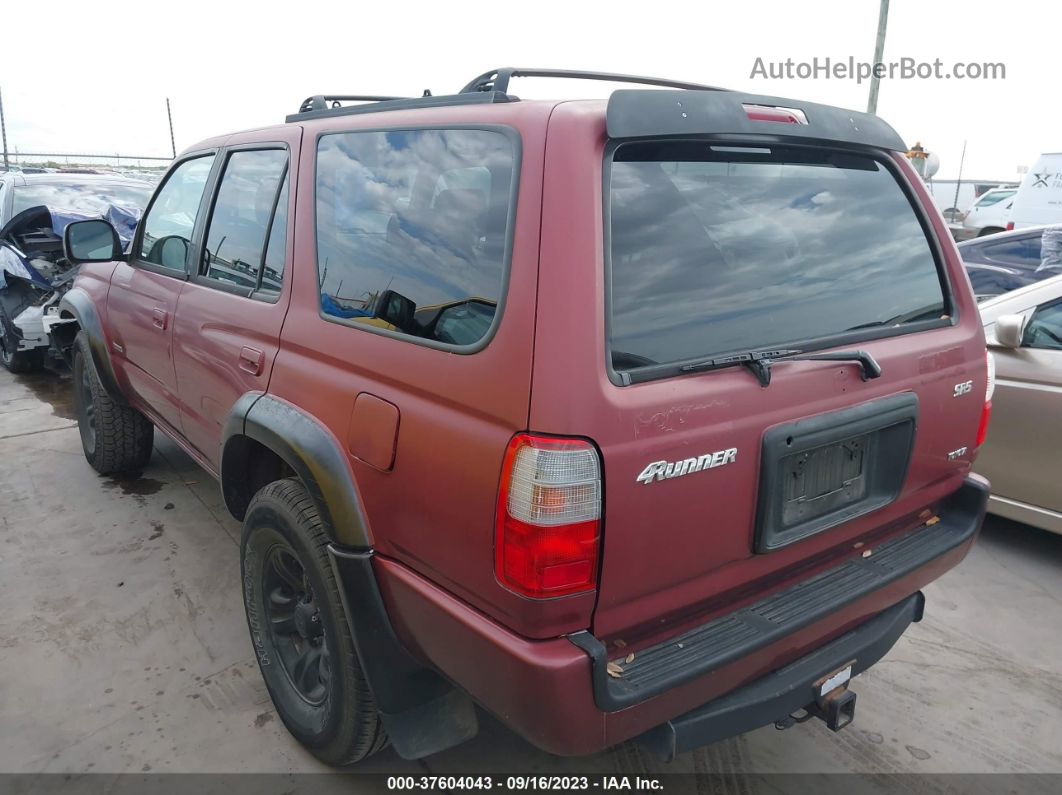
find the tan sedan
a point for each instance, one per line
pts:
(1022, 456)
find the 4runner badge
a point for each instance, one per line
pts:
(661, 470)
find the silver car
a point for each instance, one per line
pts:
(1021, 453)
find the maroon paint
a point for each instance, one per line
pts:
(672, 546)
(434, 510)
(142, 305)
(373, 431)
(425, 432)
(542, 689)
(224, 344)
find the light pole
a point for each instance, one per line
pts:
(3, 129)
(169, 115)
(879, 51)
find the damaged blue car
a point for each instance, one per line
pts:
(34, 211)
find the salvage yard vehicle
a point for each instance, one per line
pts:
(34, 211)
(986, 216)
(1006, 261)
(1020, 455)
(640, 418)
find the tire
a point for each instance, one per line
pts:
(990, 230)
(299, 628)
(115, 436)
(11, 357)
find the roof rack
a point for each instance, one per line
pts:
(498, 79)
(489, 87)
(331, 101)
(395, 103)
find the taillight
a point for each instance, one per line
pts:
(547, 531)
(986, 410)
(1010, 226)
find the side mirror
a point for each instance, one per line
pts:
(1009, 330)
(396, 309)
(91, 241)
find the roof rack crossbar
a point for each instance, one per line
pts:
(498, 79)
(327, 101)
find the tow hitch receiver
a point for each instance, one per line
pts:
(834, 703)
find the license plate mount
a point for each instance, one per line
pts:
(827, 469)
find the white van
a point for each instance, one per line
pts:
(1039, 198)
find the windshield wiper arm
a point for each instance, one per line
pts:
(759, 362)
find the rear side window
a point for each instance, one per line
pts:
(412, 227)
(242, 217)
(718, 249)
(1024, 251)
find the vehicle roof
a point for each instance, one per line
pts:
(627, 113)
(1025, 231)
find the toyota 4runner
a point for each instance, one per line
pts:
(639, 418)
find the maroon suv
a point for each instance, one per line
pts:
(646, 417)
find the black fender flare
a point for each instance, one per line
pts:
(78, 303)
(312, 452)
(422, 712)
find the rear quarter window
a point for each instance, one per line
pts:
(412, 231)
(719, 249)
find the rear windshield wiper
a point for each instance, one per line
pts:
(759, 362)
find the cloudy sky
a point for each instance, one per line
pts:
(94, 77)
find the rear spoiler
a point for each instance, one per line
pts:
(634, 113)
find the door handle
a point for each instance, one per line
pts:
(251, 360)
(159, 316)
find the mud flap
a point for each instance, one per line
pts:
(421, 711)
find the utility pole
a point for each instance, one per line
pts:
(173, 146)
(3, 128)
(958, 182)
(879, 51)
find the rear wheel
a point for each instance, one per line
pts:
(989, 230)
(115, 436)
(299, 628)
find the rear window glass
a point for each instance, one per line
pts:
(412, 228)
(720, 249)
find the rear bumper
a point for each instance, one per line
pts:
(786, 690)
(558, 694)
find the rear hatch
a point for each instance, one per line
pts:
(724, 474)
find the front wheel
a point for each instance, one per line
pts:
(299, 628)
(115, 436)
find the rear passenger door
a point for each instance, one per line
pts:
(233, 305)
